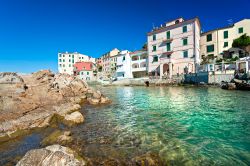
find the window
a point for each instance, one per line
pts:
(185, 54)
(63, 60)
(168, 46)
(155, 59)
(154, 48)
(60, 65)
(87, 73)
(69, 60)
(69, 55)
(69, 65)
(63, 55)
(60, 55)
(60, 60)
(225, 34)
(209, 37)
(210, 48)
(63, 65)
(124, 58)
(185, 41)
(73, 61)
(240, 30)
(184, 29)
(72, 56)
(168, 34)
(225, 44)
(154, 37)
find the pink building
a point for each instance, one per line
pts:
(84, 70)
(174, 48)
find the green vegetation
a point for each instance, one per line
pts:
(242, 41)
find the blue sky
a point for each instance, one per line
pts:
(32, 32)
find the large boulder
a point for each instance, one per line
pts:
(54, 155)
(75, 117)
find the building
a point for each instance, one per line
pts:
(213, 43)
(67, 60)
(139, 62)
(84, 71)
(124, 67)
(174, 48)
(109, 62)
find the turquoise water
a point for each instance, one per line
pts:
(183, 125)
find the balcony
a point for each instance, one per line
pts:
(166, 57)
(167, 40)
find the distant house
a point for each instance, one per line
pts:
(123, 66)
(67, 60)
(139, 62)
(234, 52)
(213, 43)
(84, 71)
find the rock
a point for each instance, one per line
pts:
(148, 159)
(58, 137)
(93, 101)
(66, 108)
(75, 117)
(35, 100)
(53, 155)
(105, 100)
(231, 86)
(97, 95)
(10, 78)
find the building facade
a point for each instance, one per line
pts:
(124, 67)
(214, 43)
(84, 71)
(139, 62)
(174, 48)
(67, 60)
(109, 62)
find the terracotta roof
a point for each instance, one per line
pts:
(162, 29)
(79, 66)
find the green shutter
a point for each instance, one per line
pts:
(185, 41)
(184, 29)
(225, 34)
(154, 48)
(209, 37)
(185, 54)
(155, 59)
(168, 46)
(240, 30)
(225, 44)
(210, 48)
(168, 34)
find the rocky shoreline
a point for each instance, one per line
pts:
(31, 101)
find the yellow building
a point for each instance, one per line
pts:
(214, 42)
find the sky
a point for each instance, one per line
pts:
(32, 32)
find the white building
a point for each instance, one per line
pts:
(67, 60)
(139, 62)
(174, 48)
(123, 66)
(215, 42)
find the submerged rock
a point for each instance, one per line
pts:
(58, 137)
(148, 159)
(54, 155)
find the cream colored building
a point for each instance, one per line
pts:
(174, 48)
(109, 62)
(67, 60)
(214, 42)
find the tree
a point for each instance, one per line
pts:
(145, 46)
(242, 42)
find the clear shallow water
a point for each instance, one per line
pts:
(183, 125)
